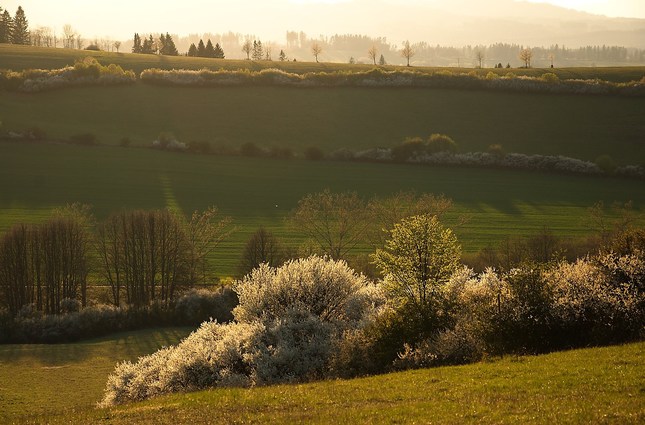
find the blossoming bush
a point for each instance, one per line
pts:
(288, 323)
(547, 83)
(84, 72)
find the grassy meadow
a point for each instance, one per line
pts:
(34, 178)
(582, 127)
(43, 380)
(61, 384)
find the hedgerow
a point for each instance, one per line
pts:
(547, 83)
(84, 72)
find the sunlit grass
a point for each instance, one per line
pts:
(42, 379)
(262, 192)
(599, 385)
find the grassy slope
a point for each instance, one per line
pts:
(35, 178)
(331, 118)
(42, 379)
(26, 57)
(600, 385)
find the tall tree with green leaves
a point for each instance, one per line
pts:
(20, 33)
(6, 25)
(417, 262)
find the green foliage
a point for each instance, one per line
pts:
(417, 262)
(606, 163)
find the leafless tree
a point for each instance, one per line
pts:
(316, 50)
(334, 222)
(479, 56)
(384, 213)
(372, 52)
(407, 52)
(262, 247)
(247, 47)
(69, 36)
(117, 46)
(525, 56)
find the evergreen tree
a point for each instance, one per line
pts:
(6, 24)
(201, 49)
(149, 46)
(381, 61)
(136, 47)
(283, 56)
(219, 52)
(168, 47)
(20, 33)
(258, 50)
(192, 50)
(210, 50)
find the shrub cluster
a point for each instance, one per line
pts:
(288, 322)
(548, 83)
(538, 308)
(413, 151)
(190, 309)
(84, 72)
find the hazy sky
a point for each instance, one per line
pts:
(269, 20)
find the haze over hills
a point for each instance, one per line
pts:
(471, 22)
(449, 23)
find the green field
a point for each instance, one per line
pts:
(331, 118)
(61, 384)
(261, 192)
(47, 379)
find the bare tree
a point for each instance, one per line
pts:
(551, 58)
(69, 36)
(479, 56)
(372, 52)
(384, 213)
(262, 247)
(334, 222)
(525, 56)
(407, 52)
(316, 50)
(247, 47)
(117, 46)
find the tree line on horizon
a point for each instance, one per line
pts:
(352, 48)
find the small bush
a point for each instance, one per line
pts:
(606, 163)
(441, 143)
(84, 139)
(314, 153)
(125, 142)
(251, 149)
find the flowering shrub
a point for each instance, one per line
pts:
(289, 321)
(547, 83)
(84, 72)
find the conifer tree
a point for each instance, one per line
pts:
(192, 50)
(258, 50)
(210, 50)
(136, 47)
(6, 24)
(168, 47)
(201, 49)
(20, 33)
(219, 52)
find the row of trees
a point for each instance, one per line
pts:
(14, 30)
(164, 45)
(146, 257)
(206, 51)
